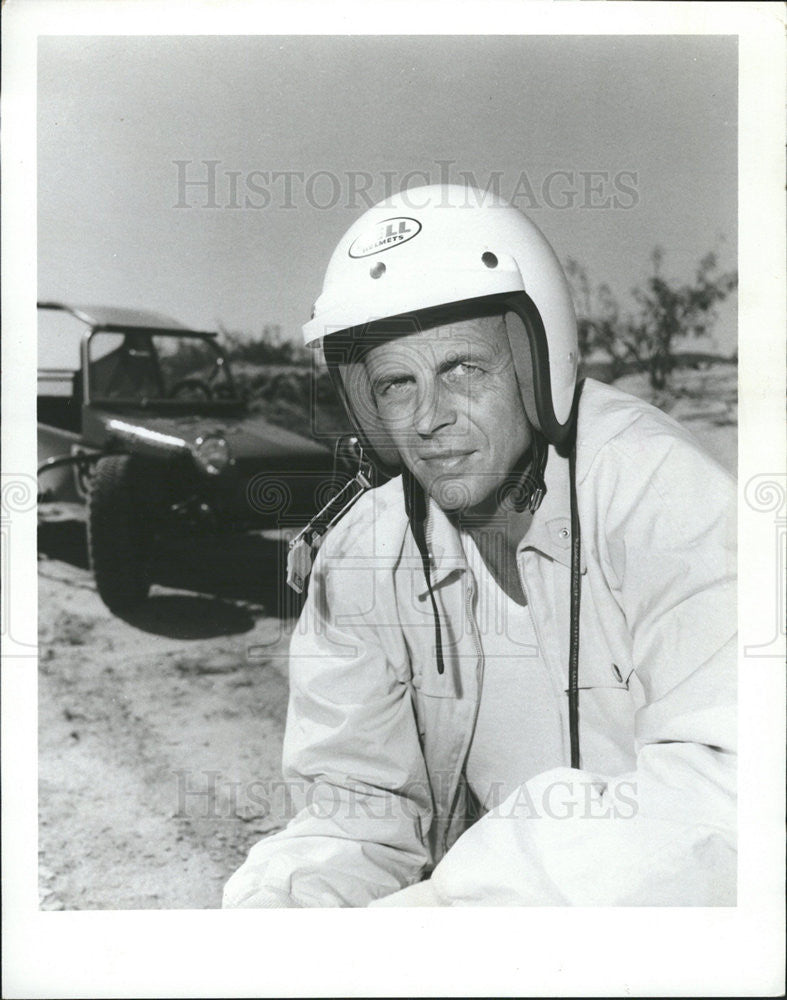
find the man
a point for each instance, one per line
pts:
(513, 681)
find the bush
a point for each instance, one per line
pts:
(668, 312)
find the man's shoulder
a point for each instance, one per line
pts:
(606, 411)
(616, 429)
(609, 416)
(374, 525)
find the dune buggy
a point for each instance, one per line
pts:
(139, 419)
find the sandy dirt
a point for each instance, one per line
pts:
(160, 735)
(157, 734)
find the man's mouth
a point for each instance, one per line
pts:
(445, 459)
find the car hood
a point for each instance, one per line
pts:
(248, 437)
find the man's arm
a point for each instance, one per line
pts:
(351, 747)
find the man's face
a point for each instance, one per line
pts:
(449, 398)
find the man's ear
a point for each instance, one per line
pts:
(519, 343)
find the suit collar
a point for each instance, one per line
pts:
(549, 532)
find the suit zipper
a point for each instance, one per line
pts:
(469, 594)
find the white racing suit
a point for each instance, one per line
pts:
(380, 738)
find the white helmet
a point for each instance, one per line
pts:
(451, 246)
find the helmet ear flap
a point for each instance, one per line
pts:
(352, 385)
(522, 355)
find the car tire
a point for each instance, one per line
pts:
(118, 536)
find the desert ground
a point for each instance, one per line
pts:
(160, 734)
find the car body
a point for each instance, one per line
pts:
(140, 419)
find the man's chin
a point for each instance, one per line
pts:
(453, 495)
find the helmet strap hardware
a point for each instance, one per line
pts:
(303, 547)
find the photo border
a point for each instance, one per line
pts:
(589, 952)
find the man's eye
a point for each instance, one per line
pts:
(392, 386)
(464, 369)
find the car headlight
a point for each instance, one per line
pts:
(212, 454)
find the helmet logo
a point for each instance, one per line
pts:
(384, 235)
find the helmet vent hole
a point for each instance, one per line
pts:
(489, 259)
(377, 270)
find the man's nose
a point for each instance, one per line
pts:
(435, 409)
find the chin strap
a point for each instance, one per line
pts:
(526, 493)
(415, 506)
(528, 489)
(576, 589)
(525, 488)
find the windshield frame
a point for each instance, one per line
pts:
(207, 336)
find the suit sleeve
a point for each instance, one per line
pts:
(351, 753)
(663, 834)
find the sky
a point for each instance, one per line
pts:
(612, 144)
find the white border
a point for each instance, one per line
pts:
(424, 952)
